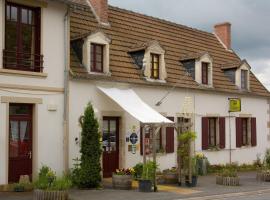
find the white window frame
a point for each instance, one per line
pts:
(154, 48)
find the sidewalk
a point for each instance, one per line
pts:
(206, 187)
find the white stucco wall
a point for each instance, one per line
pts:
(52, 47)
(205, 104)
(49, 132)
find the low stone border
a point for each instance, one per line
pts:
(262, 176)
(228, 181)
(50, 195)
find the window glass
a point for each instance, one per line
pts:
(212, 132)
(14, 13)
(204, 73)
(244, 79)
(96, 57)
(245, 131)
(155, 66)
(24, 16)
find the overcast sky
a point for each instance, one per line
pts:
(250, 21)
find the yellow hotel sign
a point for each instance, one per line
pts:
(235, 105)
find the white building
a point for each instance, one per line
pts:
(43, 92)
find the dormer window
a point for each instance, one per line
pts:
(205, 73)
(244, 81)
(95, 53)
(238, 73)
(150, 58)
(154, 66)
(96, 57)
(200, 67)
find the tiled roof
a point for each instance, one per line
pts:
(128, 30)
(190, 56)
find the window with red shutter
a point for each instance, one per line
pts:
(205, 139)
(222, 133)
(253, 132)
(170, 138)
(239, 136)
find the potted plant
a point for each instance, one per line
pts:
(122, 179)
(202, 164)
(187, 164)
(146, 181)
(138, 170)
(228, 176)
(48, 186)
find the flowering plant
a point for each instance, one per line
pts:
(200, 155)
(123, 171)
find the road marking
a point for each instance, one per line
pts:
(228, 195)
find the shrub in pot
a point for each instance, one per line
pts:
(192, 181)
(48, 186)
(122, 179)
(146, 181)
(263, 173)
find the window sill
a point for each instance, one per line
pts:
(155, 80)
(206, 86)
(23, 73)
(100, 73)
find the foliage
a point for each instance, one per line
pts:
(239, 168)
(47, 180)
(185, 140)
(128, 171)
(149, 169)
(267, 159)
(228, 171)
(171, 170)
(138, 170)
(87, 171)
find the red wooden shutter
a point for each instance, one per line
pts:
(253, 132)
(239, 132)
(222, 132)
(170, 138)
(205, 137)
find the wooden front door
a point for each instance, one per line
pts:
(110, 145)
(20, 141)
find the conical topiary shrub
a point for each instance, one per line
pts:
(89, 167)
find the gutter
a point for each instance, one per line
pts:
(66, 94)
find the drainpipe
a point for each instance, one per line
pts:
(66, 94)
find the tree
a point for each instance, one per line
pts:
(89, 168)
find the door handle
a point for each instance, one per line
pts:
(30, 154)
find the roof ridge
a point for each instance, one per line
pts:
(160, 20)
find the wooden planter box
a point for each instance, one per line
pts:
(263, 176)
(170, 177)
(122, 182)
(50, 195)
(228, 181)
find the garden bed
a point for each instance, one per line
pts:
(228, 181)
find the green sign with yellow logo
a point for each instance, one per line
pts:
(234, 105)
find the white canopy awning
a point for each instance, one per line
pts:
(132, 103)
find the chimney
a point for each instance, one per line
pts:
(100, 8)
(223, 32)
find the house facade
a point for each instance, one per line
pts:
(187, 75)
(32, 69)
(59, 55)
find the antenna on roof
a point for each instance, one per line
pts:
(169, 91)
